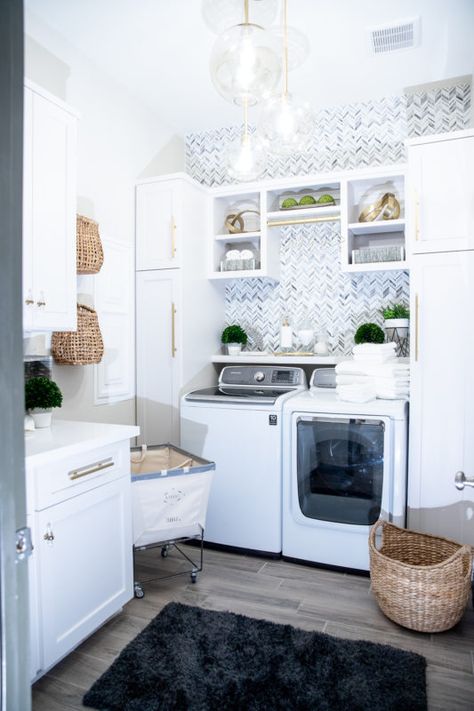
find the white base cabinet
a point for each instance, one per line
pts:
(81, 568)
(49, 213)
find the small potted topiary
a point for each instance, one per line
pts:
(41, 395)
(369, 333)
(396, 317)
(234, 337)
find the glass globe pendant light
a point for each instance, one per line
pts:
(285, 122)
(245, 63)
(245, 157)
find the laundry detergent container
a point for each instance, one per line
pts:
(420, 581)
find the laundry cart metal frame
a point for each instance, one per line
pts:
(189, 465)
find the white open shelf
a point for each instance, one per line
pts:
(279, 360)
(353, 190)
(304, 213)
(239, 237)
(380, 226)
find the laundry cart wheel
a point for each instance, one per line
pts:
(138, 590)
(193, 576)
(164, 552)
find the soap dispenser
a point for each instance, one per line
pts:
(286, 335)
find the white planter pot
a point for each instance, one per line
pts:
(401, 324)
(42, 418)
(234, 348)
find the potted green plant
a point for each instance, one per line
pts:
(369, 333)
(234, 337)
(41, 395)
(396, 317)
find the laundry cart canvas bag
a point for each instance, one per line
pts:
(170, 491)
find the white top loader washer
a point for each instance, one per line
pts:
(238, 425)
(344, 467)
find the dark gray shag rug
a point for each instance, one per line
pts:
(190, 658)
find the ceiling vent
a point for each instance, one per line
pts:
(395, 36)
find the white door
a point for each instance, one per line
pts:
(53, 216)
(442, 391)
(29, 303)
(85, 565)
(441, 179)
(158, 355)
(158, 210)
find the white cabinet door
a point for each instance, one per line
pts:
(158, 355)
(158, 210)
(441, 175)
(53, 216)
(29, 303)
(85, 565)
(442, 394)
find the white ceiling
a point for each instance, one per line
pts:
(159, 50)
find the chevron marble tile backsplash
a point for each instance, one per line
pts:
(312, 284)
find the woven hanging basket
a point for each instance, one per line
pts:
(81, 347)
(89, 252)
(420, 581)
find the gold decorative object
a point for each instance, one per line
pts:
(235, 222)
(387, 208)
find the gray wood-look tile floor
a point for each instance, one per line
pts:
(313, 599)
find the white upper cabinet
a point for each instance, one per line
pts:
(158, 227)
(49, 214)
(441, 188)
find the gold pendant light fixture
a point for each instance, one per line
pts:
(245, 63)
(246, 67)
(285, 122)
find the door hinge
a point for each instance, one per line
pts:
(24, 546)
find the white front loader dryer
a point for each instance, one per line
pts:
(344, 467)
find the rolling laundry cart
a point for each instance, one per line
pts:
(170, 490)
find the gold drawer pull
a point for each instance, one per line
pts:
(78, 473)
(173, 331)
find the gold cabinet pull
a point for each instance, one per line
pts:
(417, 318)
(49, 535)
(173, 237)
(173, 331)
(302, 221)
(91, 469)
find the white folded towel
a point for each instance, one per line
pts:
(356, 393)
(402, 381)
(397, 395)
(377, 359)
(386, 370)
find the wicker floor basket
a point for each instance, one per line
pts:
(419, 581)
(89, 252)
(81, 347)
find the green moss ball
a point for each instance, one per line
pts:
(326, 200)
(307, 200)
(289, 202)
(369, 333)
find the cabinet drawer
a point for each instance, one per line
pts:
(73, 475)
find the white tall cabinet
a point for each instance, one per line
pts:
(179, 312)
(442, 335)
(49, 213)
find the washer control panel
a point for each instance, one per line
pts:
(264, 375)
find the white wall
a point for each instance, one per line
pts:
(119, 141)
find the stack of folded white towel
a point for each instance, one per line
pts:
(374, 372)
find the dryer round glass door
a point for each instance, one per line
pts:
(340, 469)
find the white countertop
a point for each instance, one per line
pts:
(66, 437)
